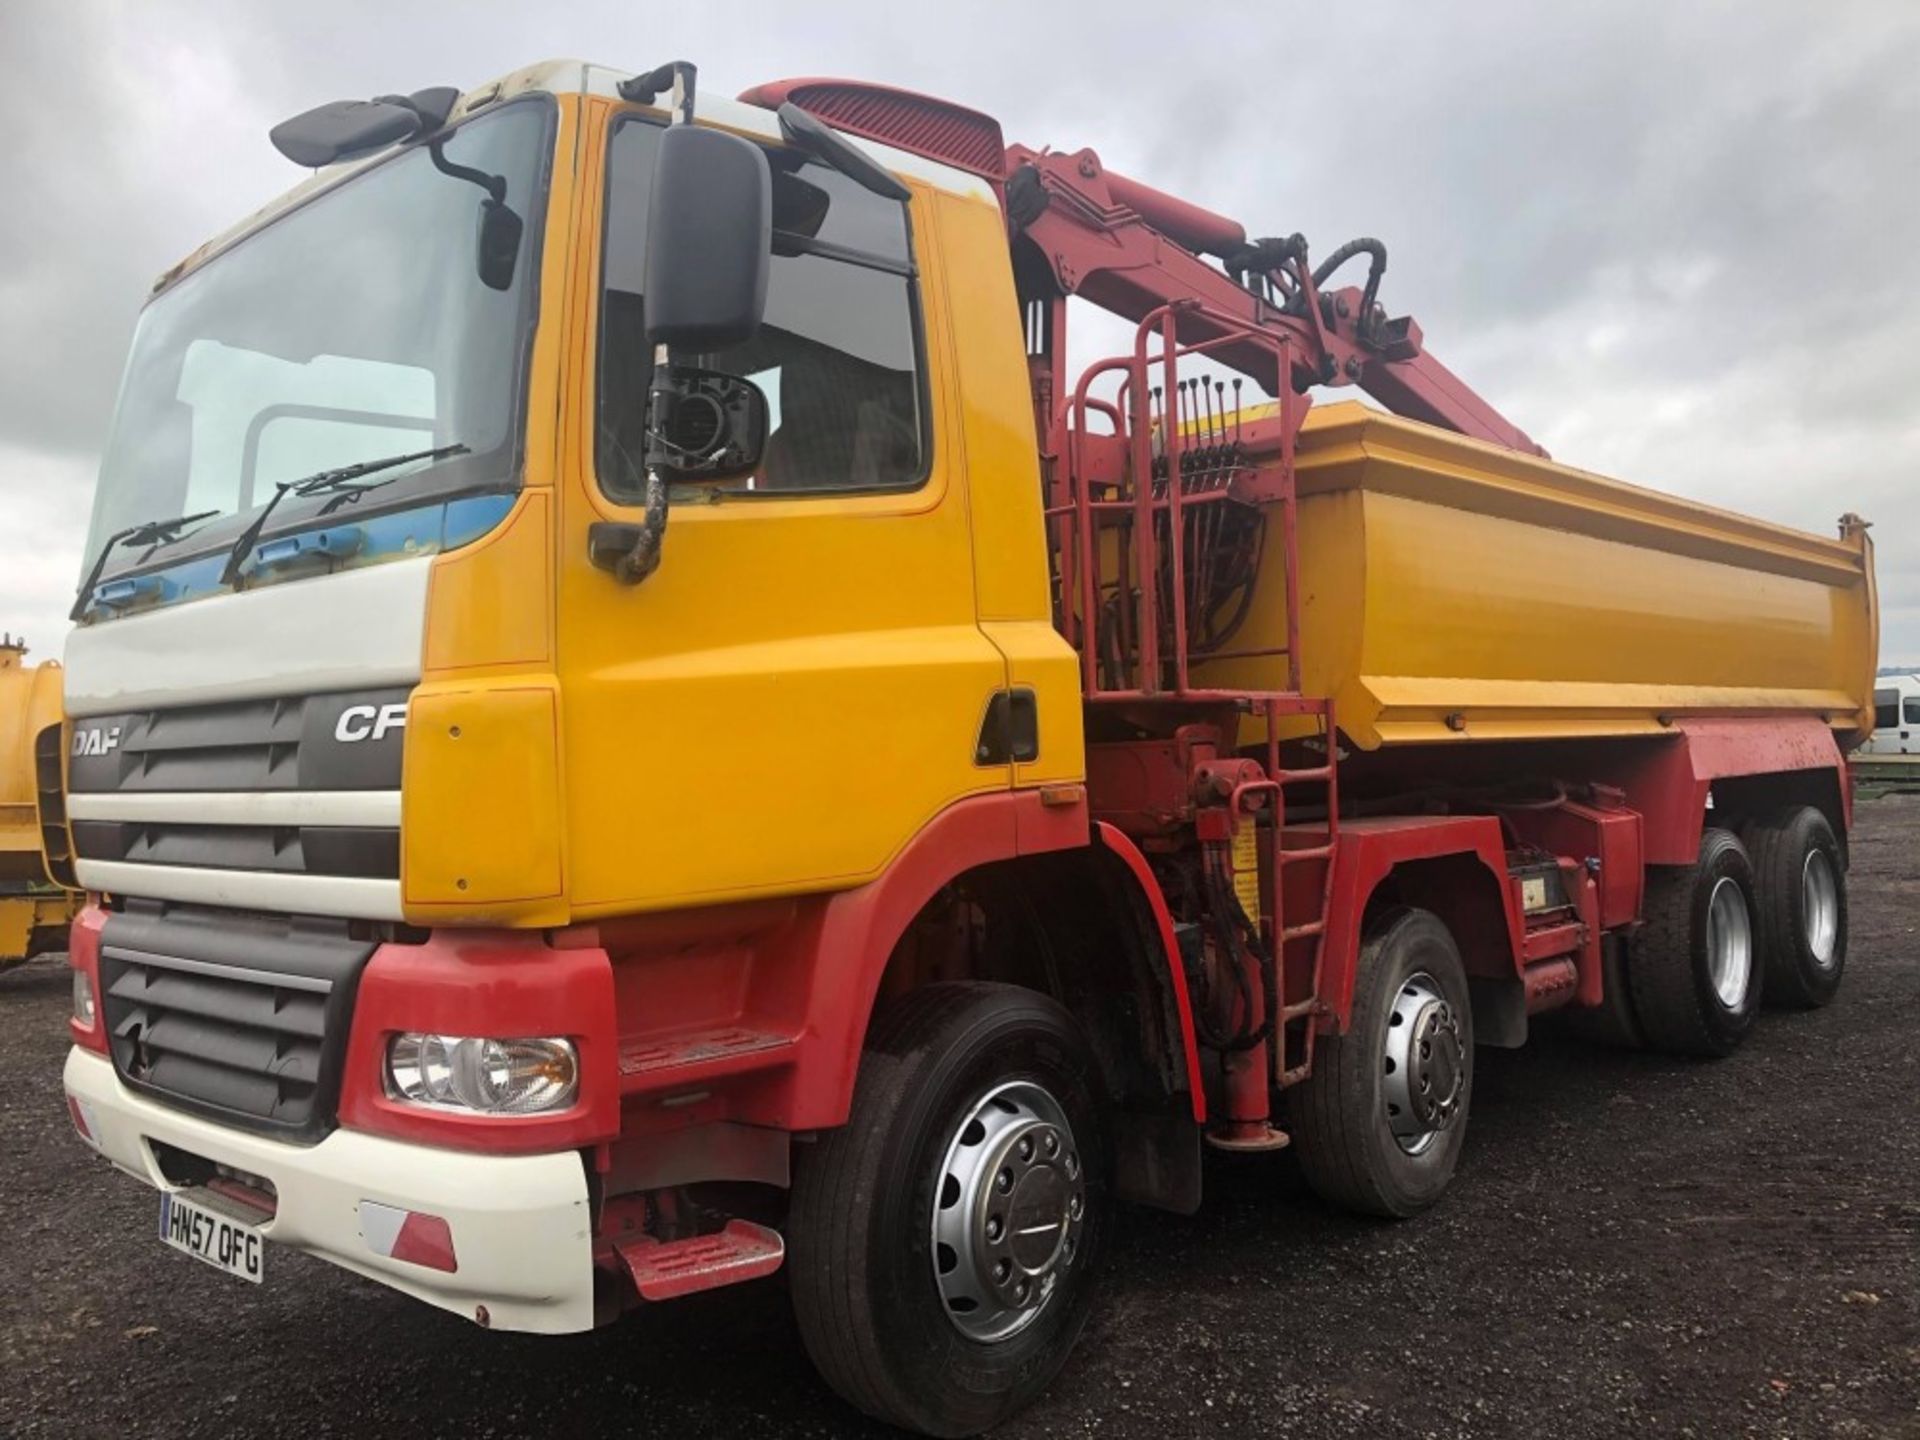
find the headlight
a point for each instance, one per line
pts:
(82, 1000)
(483, 1076)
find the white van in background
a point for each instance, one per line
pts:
(1896, 719)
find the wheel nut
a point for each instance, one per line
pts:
(1001, 1271)
(1021, 1292)
(1026, 1147)
(1003, 1182)
(1075, 1208)
(1072, 1166)
(995, 1227)
(1053, 1143)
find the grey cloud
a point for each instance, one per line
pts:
(1676, 243)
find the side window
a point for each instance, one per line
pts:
(1910, 710)
(838, 356)
(1886, 709)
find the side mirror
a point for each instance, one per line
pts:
(709, 240)
(498, 248)
(344, 128)
(704, 424)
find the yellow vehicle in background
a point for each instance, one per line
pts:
(34, 909)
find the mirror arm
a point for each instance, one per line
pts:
(630, 553)
(676, 75)
(494, 185)
(641, 555)
(644, 558)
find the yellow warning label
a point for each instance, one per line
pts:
(1246, 869)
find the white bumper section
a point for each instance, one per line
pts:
(522, 1231)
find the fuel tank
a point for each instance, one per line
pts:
(1454, 592)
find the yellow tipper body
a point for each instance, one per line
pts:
(32, 909)
(29, 702)
(1453, 591)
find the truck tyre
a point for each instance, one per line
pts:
(1379, 1122)
(1693, 966)
(942, 1241)
(1800, 906)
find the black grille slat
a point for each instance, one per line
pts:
(263, 722)
(201, 1044)
(242, 1018)
(233, 1047)
(297, 1071)
(236, 767)
(301, 1016)
(360, 851)
(233, 1091)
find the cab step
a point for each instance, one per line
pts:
(668, 1269)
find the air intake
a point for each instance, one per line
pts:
(937, 129)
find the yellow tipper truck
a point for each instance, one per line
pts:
(633, 724)
(34, 910)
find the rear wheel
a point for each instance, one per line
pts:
(1694, 965)
(1800, 911)
(942, 1240)
(1379, 1122)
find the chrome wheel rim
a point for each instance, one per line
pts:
(1423, 1065)
(1729, 942)
(1009, 1208)
(1820, 908)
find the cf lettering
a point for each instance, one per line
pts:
(369, 722)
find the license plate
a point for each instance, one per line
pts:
(210, 1236)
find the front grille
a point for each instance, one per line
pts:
(300, 742)
(240, 1018)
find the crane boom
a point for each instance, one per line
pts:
(1096, 232)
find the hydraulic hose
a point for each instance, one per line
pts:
(1238, 935)
(1364, 245)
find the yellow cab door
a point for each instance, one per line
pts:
(800, 686)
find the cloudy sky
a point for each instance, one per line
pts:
(1677, 242)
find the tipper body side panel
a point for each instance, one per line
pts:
(1452, 591)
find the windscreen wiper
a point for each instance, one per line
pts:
(318, 484)
(151, 533)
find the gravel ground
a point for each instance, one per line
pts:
(1634, 1245)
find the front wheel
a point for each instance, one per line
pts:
(1378, 1123)
(941, 1242)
